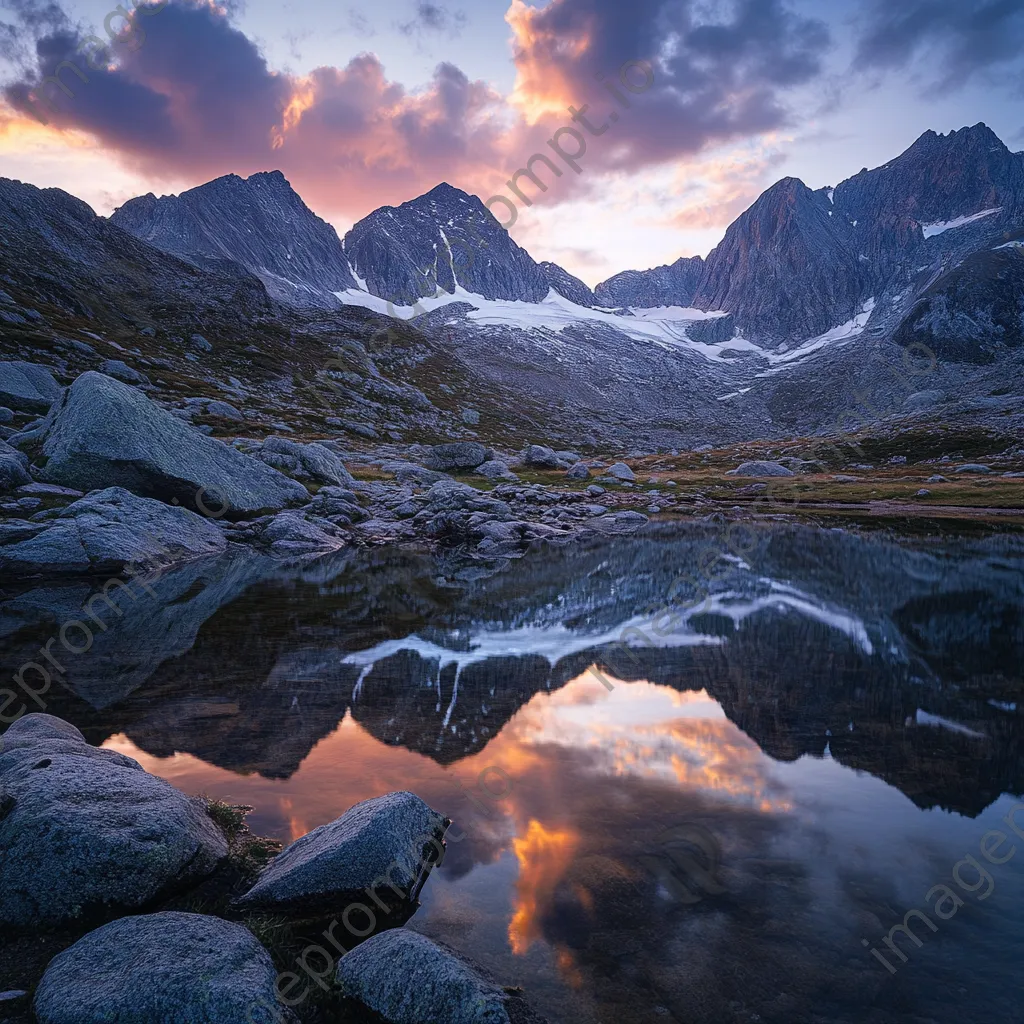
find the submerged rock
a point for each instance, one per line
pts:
(173, 968)
(409, 979)
(384, 845)
(90, 832)
(103, 433)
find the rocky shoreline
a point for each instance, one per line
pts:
(109, 482)
(124, 899)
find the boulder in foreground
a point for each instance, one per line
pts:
(102, 433)
(173, 968)
(89, 832)
(105, 532)
(384, 845)
(408, 979)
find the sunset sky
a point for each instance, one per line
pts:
(362, 105)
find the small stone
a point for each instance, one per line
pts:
(923, 493)
(974, 467)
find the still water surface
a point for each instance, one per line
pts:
(705, 827)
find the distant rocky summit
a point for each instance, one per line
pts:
(258, 222)
(436, 242)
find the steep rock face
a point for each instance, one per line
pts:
(974, 313)
(568, 286)
(673, 285)
(785, 269)
(938, 181)
(258, 222)
(437, 241)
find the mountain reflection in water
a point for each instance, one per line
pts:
(841, 717)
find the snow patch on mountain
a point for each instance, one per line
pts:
(838, 335)
(931, 230)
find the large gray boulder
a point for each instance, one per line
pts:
(460, 455)
(384, 845)
(539, 457)
(103, 433)
(620, 471)
(170, 968)
(408, 979)
(27, 387)
(760, 469)
(105, 532)
(91, 833)
(306, 461)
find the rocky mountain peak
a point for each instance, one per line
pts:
(259, 222)
(786, 268)
(438, 241)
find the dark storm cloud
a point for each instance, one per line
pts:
(721, 71)
(174, 82)
(431, 17)
(957, 38)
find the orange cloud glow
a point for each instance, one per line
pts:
(544, 855)
(544, 86)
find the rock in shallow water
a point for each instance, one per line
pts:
(106, 531)
(382, 845)
(169, 968)
(90, 832)
(408, 979)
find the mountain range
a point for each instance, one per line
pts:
(809, 294)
